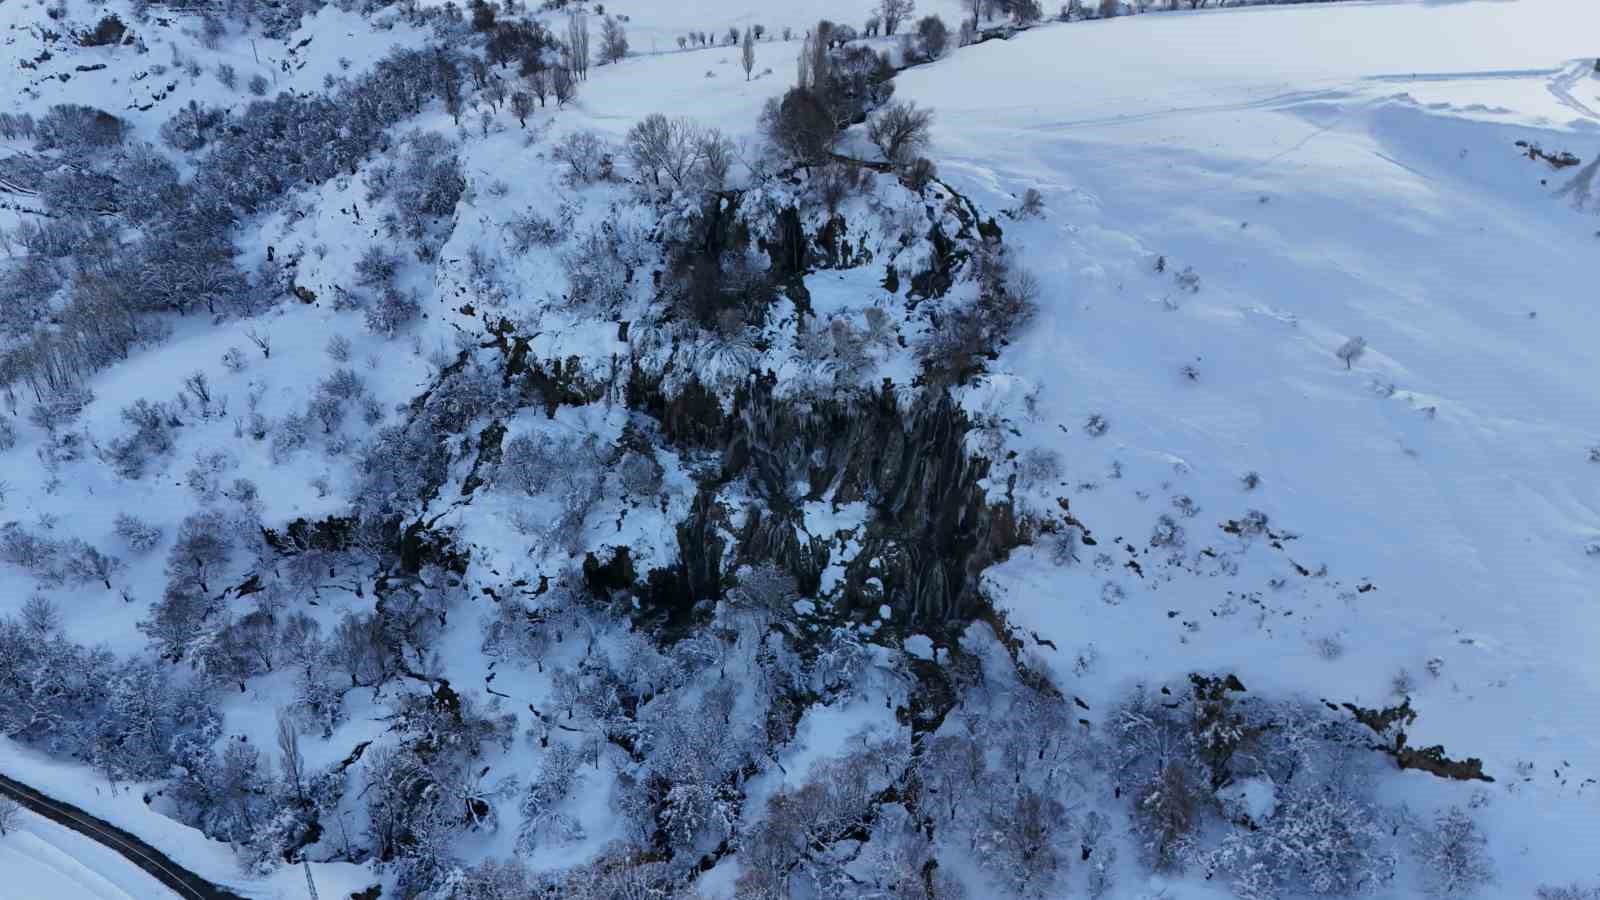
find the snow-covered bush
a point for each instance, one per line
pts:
(1324, 839)
(139, 536)
(291, 433)
(392, 311)
(376, 268)
(78, 130)
(543, 823)
(640, 474)
(1168, 533)
(1032, 204)
(192, 127)
(338, 348)
(530, 229)
(1455, 855)
(59, 409)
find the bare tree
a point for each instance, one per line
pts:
(677, 148)
(577, 57)
(289, 758)
(564, 85)
(613, 39)
(900, 130)
(894, 12)
(263, 342)
(747, 53)
(1351, 350)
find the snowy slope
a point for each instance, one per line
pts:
(1320, 191)
(1323, 172)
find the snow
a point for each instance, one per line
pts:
(42, 859)
(1319, 192)
(1255, 797)
(1327, 171)
(124, 806)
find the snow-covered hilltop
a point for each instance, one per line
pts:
(703, 450)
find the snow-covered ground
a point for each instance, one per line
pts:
(40, 860)
(1327, 172)
(1322, 172)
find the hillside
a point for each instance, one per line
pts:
(1176, 477)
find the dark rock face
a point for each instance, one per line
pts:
(931, 531)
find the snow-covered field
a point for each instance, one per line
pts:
(1327, 172)
(1230, 196)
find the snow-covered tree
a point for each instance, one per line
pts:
(1323, 839)
(1455, 855)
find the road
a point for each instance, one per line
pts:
(183, 882)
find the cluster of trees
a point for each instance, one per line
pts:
(1297, 784)
(1289, 786)
(729, 38)
(129, 719)
(184, 257)
(833, 90)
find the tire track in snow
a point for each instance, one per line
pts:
(1561, 88)
(1292, 98)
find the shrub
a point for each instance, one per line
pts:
(376, 268)
(393, 310)
(139, 535)
(107, 32)
(530, 229)
(338, 348)
(192, 127)
(587, 156)
(60, 409)
(920, 173)
(78, 129)
(151, 434)
(1351, 350)
(1032, 204)
(1455, 855)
